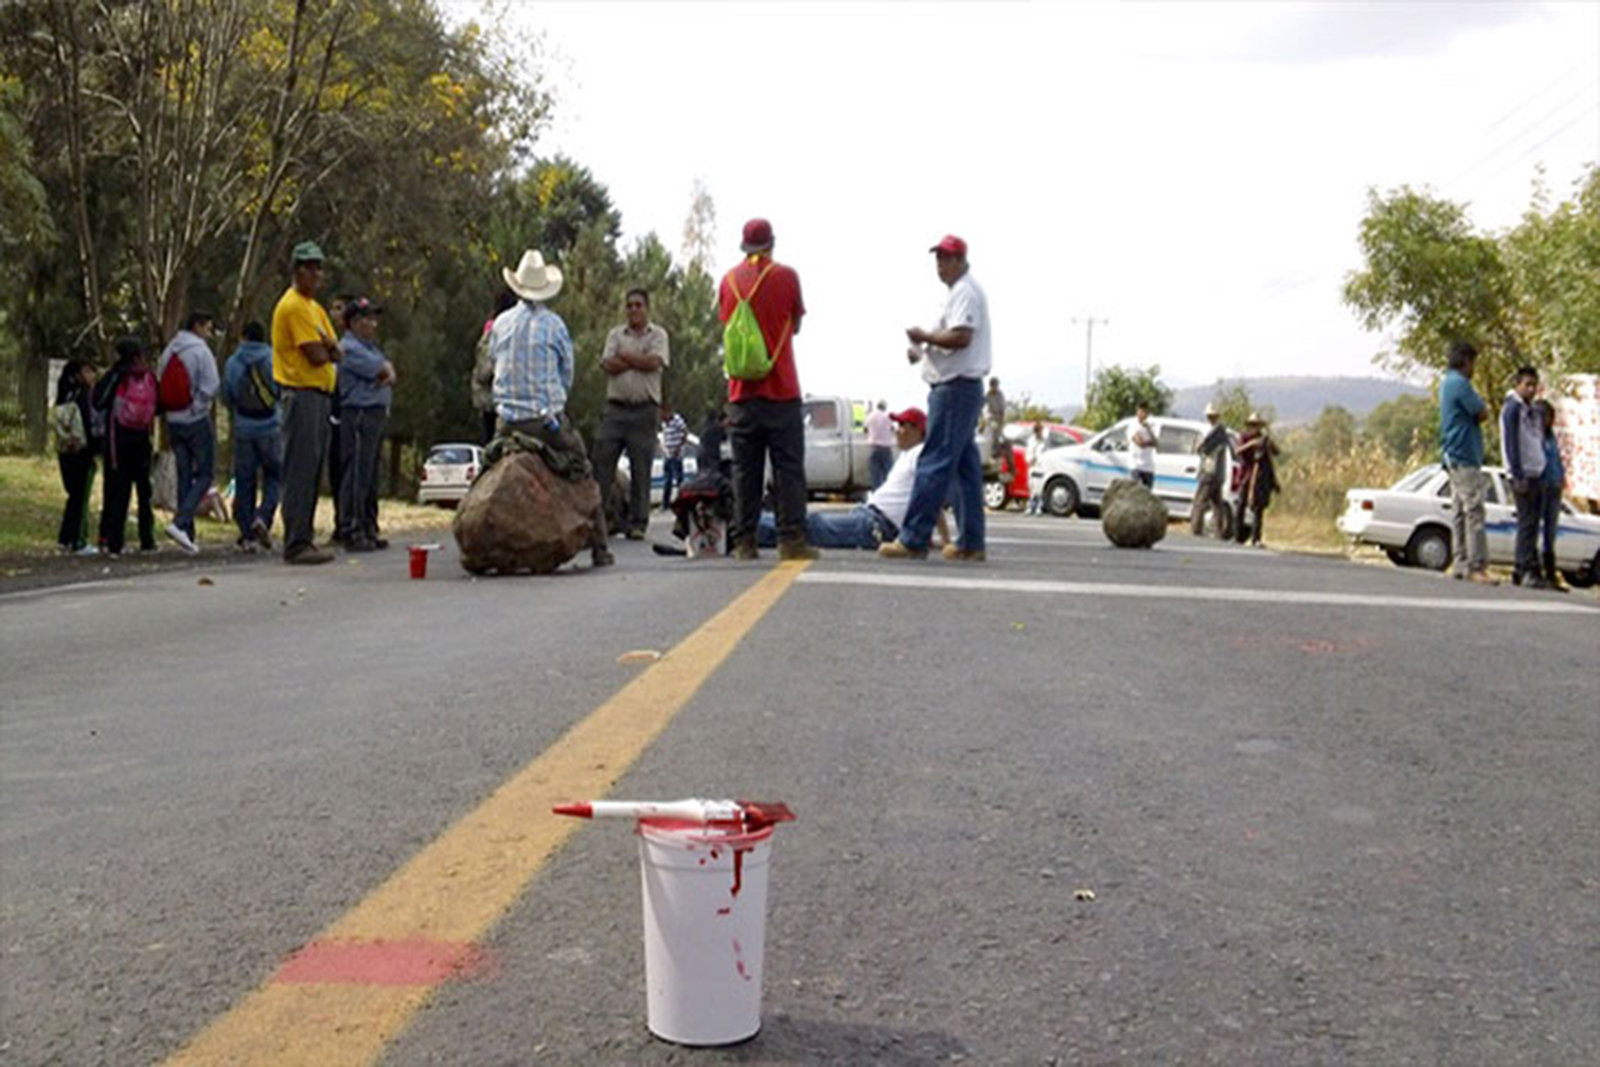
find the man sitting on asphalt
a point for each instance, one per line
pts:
(878, 520)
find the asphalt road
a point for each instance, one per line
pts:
(1329, 814)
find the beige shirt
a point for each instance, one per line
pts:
(636, 386)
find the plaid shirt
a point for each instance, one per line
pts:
(674, 432)
(532, 355)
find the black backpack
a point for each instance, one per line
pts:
(255, 397)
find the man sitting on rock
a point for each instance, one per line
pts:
(533, 363)
(878, 520)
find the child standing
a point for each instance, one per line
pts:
(127, 394)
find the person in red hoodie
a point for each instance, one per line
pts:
(765, 419)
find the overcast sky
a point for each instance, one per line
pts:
(1193, 173)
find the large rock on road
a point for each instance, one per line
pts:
(1131, 515)
(520, 517)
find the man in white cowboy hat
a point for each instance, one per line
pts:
(1213, 449)
(533, 361)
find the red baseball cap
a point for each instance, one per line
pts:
(757, 236)
(914, 416)
(952, 244)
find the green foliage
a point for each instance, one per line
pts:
(1406, 427)
(1333, 433)
(1529, 296)
(1025, 409)
(1116, 393)
(1234, 404)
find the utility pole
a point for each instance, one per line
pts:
(1088, 353)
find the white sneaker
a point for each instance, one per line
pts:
(180, 535)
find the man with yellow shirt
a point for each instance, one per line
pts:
(304, 349)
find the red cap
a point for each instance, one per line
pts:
(757, 236)
(952, 244)
(914, 416)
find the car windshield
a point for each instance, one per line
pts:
(456, 455)
(1114, 441)
(1414, 481)
(821, 416)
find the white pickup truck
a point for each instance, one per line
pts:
(838, 459)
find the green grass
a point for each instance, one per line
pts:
(31, 501)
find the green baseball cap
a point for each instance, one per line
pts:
(308, 252)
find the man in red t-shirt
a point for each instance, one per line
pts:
(764, 416)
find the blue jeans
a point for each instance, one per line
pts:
(250, 454)
(856, 528)
(194, 447)
(671, 476)
(949, 455)
(1550, 520)
(1530, 510)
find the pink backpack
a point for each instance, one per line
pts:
(135, 407)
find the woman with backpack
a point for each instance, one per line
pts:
(127, 394)
(73, 420)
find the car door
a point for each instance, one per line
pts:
(827, 445)
(1177, 466)
(1500, 518)
(1108, 460)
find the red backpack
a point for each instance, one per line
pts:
(135, 406)
(176, 392)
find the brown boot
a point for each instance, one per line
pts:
(1552, 575)
(745, 550)
(798, 550)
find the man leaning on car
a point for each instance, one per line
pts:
(1461, 413)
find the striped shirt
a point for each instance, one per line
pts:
(674, 432)
(532, 355)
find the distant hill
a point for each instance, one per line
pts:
(1299, 399)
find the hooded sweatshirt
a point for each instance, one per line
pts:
(1521, 438)
(252, 356)
(203, 380)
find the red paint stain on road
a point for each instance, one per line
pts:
(415, 962)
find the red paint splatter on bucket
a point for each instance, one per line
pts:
(738, 960)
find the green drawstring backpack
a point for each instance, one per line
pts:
(744, 349)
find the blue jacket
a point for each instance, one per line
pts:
(252, 355)
(359, 366)
(1553, 472)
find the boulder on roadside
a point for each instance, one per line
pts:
(1131, 515)
(520, 517)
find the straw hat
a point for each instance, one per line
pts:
(534, 279)
(1255, 419)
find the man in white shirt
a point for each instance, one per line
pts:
(958, 357)
(1143, 440)
(877, 521)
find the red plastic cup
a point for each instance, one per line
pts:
(419, 561)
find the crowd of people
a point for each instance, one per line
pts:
(306, 398)
(288, 397)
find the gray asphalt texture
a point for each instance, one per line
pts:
(1314, 834)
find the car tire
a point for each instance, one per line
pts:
(994, 494)
(1061, 496)
(1586, 577)
(1429, 548)
(1398, 557)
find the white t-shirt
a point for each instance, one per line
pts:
(1142, 438)
(893, 497)
(965, 305)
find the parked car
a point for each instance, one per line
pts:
(1410, 521)
(838, 459)
(448, 472)
(997, 494)
(1074, 478)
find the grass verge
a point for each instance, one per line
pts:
(31, 499)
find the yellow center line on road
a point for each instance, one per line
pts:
(456, 888)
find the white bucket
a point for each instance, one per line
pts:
(705, 925)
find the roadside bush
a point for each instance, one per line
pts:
(1314, 485)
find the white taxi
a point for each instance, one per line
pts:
(1410, 521)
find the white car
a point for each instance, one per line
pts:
(1411, 522)
(1077, 476)
(448, 472)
